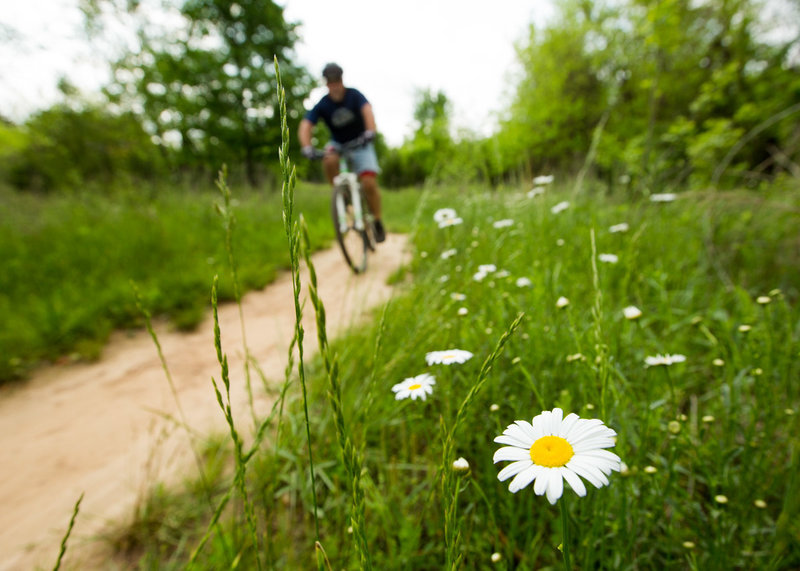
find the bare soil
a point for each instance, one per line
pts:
(99, 429)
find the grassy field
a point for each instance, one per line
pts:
(708, 444)
(71, 262)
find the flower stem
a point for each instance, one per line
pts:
(565, 534)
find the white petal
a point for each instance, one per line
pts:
(511, 453)
(524, 478)
(588, 471)
(508, 439)
(513, 469)
(540, 485)
(526, 428)
(604, 456)
(555, 485)
(574, 481)
(592, 444)
(567, 424)
(401, 395)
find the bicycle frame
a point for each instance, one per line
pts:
(349, 179)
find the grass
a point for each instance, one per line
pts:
(69, 261)
(709, 445)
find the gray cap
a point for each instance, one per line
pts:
(332, 73)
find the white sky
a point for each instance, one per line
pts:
(464, 48)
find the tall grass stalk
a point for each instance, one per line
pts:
(450, 482)
(291, 228)
(64, 539)
(351, 454)
(240, 477)
(229, 220)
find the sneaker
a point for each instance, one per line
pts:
(380, 234)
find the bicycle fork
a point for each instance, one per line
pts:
(351, 180)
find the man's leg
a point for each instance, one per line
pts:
(330, 164)
(369, 183)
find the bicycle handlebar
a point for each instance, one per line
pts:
(353, 144)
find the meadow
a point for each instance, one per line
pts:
(74, 263)
(671, 319)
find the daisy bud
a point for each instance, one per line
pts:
(718, 363)
(562, 302)
(688, 544)
(744, 328)
(708, 418)
(674, 426)
(650, 469)
(760, 504)
(720, 499)
(763, 299)
(496, 557)
(632, 312)
(494, 407)
(461, 465)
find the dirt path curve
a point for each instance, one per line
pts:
(97, 428)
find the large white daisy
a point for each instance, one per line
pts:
(419, 386)
(447, 357)
(551, 449)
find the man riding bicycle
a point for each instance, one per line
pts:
(348, 115)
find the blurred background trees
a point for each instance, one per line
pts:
(674, 94)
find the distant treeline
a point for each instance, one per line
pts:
(641, 95)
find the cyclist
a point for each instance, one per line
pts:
(348, 115)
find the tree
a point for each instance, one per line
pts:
(210, 92)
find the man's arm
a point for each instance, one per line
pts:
(369, 118)
(304, 133)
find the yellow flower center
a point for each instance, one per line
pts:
(414, 387)
(551, 452)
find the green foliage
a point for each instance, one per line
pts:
(66, 148)
(709, 445)
(209, 94)
(676, 86)
(69, 260)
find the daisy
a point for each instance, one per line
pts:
(487, 268)
(665, 360)
(449, 253)
(505, 223)
(622, 227)
(463, 311)
(535, 191)
(502, 274)
(458, 296)
(551, 449)
(608, 258)
(562, 302)
(447, 357)
(663, 197)
(478, 276)
(561, 206)
(524, 282)
(543, 179)
(450, 222)
(419, 386)
(444, 214)
(632, 312)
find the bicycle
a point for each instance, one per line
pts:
(353, 220)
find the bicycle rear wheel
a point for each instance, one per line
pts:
(353, 242)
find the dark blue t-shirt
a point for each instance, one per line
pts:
(343, 118)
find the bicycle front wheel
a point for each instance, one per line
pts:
(353, 242)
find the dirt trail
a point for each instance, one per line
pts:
(98, 428)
